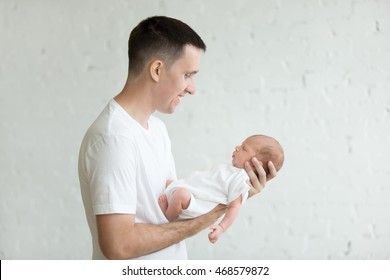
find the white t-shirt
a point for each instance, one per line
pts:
(123, 168)
(218, 185)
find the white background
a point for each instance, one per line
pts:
(313, 74)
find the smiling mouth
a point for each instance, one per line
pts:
(179, 97)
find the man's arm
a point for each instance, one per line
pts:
(121, 238)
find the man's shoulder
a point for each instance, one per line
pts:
(110, 124)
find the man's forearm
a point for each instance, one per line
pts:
(121, 239)
(151, 238)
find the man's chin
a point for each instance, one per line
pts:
(167, 111)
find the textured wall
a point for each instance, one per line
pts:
(313, 74)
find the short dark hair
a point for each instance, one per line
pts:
(159, 37)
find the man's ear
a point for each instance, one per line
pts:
(155, 70)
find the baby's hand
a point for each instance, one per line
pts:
(215, 233)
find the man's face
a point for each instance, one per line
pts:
(178, 80)
(243, 153)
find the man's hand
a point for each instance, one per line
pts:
(258, 183)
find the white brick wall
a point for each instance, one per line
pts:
(314, 74)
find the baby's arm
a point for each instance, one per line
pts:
(227, 221)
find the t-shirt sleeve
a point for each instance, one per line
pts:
(111, 170)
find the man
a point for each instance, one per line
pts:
(125, 157)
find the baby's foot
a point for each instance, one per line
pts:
(163, 202)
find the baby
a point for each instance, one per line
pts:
(224, 184)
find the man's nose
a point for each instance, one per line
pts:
(191, 89)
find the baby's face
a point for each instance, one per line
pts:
(243, 153)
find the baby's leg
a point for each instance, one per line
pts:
(180, 199)
(162, 200)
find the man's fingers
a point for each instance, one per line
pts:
(258, 181)
(255, 186)
(272, 171)
(260, 171)
(250, 172)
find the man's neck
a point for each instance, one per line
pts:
(136, 102)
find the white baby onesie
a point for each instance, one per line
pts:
(219, 185)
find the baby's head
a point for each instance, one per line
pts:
(264, 148)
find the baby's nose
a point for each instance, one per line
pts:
(237, 148)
